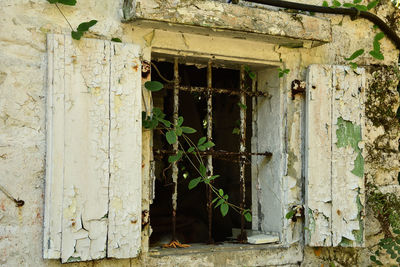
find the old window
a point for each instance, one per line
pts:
(220, 100)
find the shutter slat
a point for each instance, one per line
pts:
(335, 176)
(124, 237)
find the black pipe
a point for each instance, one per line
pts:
(352, 12)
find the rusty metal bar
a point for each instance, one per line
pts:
(242, 149)
(255, 183)
(206, 90)
(217, 153)
(209, 156)
(175, 149)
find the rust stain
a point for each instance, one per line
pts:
(133, 221)
(73, 222)
(2, 207)
(135, 68)
(317, 251)
(338, 212)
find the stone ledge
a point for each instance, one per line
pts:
(248, 22)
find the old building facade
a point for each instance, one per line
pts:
(333, 130)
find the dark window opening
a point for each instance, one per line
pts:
(192, 213)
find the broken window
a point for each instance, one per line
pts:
(218, 101)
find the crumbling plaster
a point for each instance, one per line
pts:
(22, 113)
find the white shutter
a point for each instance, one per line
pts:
(93, 161)
(335, 115)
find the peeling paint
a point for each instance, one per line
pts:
(349, 134)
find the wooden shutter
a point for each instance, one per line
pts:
(93, 160)
(335, 115)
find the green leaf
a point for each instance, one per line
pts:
(336, 3)
(379, 36)
(208, 144)
(193, 183)
(201, 140)
(325, 4)
(236, 131)
(396, 231)
(190, 150)
(171, 137)
(377, 46)
(153, 86)
(76, 35)
(252, 75)
(224, 209)
(353, 65)
(67, 2)
(52, 1)
(202, 170)
(176, 157)
(165, 122)
(188, 130)
(377, 55)
(348, 5)
(180, 121)
(355, 55)
(372, 4)
(242, 106)
(158, 113)
(219, 202)
(331, 264)
(185, 175)
(361, 7)
(375, 27)
(212, 178)
(290, 214)
(117, 40)
(178, 131)
(202, 148)
(84, 26)
(357, 1)
(247, 216)
(221, 192)
(214, 200)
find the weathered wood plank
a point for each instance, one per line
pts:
(54, 148)
(124, 233)
(86, 144)
(347, 159)
(318, 141)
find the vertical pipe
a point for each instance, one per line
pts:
(175, 148)
(242, 150)
(209, 157)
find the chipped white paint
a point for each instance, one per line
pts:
(124, 232)
(93, 191)
(334, 188)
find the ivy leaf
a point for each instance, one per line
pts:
(153, 86)
(188, 130)
(357, 1)
(242, 106)
(224, 209)
(193, 183)
(171, 137)
(84, 26)
(379, 36)
(165, 122)
(355, 55)
(178, 131)
(201, 140)
(236, 131)
(221, 192)
(290, 214)
(117, 40)
(361, 7)
(175, 157)
(348, 5)
(377, 46)
(353, 65)
(67, 2)
(372, 4)
(336, 3)
(52, 1)
(325, 4)
(208, 144)
(202, 170)
(219, 203)
(214, 200)
(180, 121)
(212, 178)
(190, 150)
(247, 216)
(377, 55)
(76, 35)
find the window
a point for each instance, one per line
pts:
(219, 100)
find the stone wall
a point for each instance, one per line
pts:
(24, 24)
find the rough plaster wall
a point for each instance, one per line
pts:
(22, 119)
